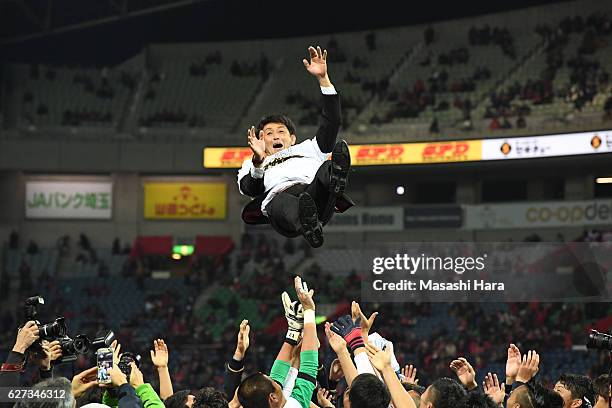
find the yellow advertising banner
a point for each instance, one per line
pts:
(185, 201)
(369, 155)
(416, 153)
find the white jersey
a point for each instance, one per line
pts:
(296, 164)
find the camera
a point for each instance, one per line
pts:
(124, 363)
(599, 341)
(58, 330)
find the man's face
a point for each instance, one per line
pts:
(601, 402)
(346, 401)
(277, 137)
(276, 399)
(515, 397)
(568, 401)
(425, 399)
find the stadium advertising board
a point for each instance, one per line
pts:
(433, 216)
(570, 144)
(68, 200)
(452, 151)
(361, 219)
(185, 201)
(538, 214)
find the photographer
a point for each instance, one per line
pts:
(15, 362)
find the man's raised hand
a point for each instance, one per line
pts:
(410, 372)
(242, 344)
(513, 362)
(304, 295)
(257, 144)
(529, 366)
(159, 356)
(318, 62)
(495, 390)
(27, 335)
(465, 372)
(380, 359)
(84, 381)
(337, 343)
(366, 322)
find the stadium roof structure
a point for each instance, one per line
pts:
(42, 28)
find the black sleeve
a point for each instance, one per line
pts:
(128, 397)
(331, 119)
(232, 377)
(10, 378)
(252, 186)
(46, 374)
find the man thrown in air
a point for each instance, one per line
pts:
(295, 187)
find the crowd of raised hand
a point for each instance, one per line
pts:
(360, 369)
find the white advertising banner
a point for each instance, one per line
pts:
(368, 219)
(68, 200)
(534, 147)
(538, 214)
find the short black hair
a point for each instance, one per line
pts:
(177, 400)
(541, 397)
(477, 400)
(93, 394)
(447, 393)
(601, 387)
(368, 391)
(579, 385)
(254, 391)
(276, 118)
(414, 387)
(208, 397)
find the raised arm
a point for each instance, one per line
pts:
(250, 176)
(159, 357)
(331, 116)
(235, 367)
(382, 361)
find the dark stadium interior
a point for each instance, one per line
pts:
(468, 123)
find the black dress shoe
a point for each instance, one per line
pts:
(341, 163)
(312, 230)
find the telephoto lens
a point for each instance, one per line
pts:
(52, 331)
(599, 341)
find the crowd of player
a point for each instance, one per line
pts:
(363, 374)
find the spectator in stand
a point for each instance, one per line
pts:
(14, 240)
(433, 127)
(520, 122)
(494, 125)
(429, 35)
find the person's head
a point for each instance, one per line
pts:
(60, 386)
(575, 390)
(477, 400)
(260, 391)
(180, 399)
(367, 391)
(208, 397)
(91, 396)
(601, 386)
(533, 395)
(443, 393)
(415, 391)
(278, 132)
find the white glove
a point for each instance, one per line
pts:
(295, 319)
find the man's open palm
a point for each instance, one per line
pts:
(318, 61)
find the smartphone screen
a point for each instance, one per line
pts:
(105, 363)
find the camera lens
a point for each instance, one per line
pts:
(51, 331)
(599, 341)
